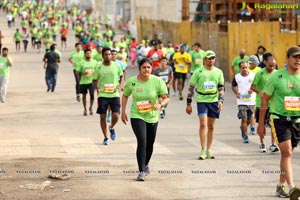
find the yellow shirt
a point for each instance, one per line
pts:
(256, 69)
(181, 59)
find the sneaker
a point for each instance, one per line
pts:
(281, 191)
(147, 170)
(84, 113)
(210, 155)
(141, 176)
(294, 193)
(174, 94)
(246, 139)
(202, 155)
(78, 98)
(273, 148)
(262, 148)
(112, 133)
(108, 117)
(252, 130)
(180, 97)
(106, 141)
(162, 114)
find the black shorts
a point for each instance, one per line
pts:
(286, 130)
(178, 75)
(267, 117)
(85, 88)
(63, 39)
(103, 103)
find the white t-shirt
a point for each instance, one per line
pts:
(244, 85)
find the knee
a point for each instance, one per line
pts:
(286, 153)
(92, 97)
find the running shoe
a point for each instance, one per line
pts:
(273, 148)
(112, 133)
(210, 155)
(162, 114)
(108, 117)
(78, 98)
(202, 155)
(106, 141)
(294, 193)
(252, 130)
(147, 170)
(84, 113)
(246, 139)
(281, 191)
(262, 148)
(180, 97)
(141, 176)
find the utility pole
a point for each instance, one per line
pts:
(185, 10)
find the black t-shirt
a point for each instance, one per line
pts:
(52, 58)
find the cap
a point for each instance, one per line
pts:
(210, 54)
(253, 59)
(294, 50)
(176, 47)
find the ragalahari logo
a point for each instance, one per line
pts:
(246, 9)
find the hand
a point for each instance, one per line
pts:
(124, 118)
(220, 106)
(157, 107)
(189, 109)
(238, 95)
(261, 130)
(250, 91)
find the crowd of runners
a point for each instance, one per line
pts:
(266, 94)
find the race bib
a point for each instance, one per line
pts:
(181, 66)
(109, 88)
(154, 57)
(165, 78)
(198, 61)
(89, 72)
(246, 97)
(209, 86)
(1, 66)
(144, 106)
(292, 103)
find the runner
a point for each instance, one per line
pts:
(85, 71)
(51, 60)
(245, 97)
(144, 111)
(106, 81)
(260, 80)
(283, 91)
(75, 59)
(5, 64)
(210, 97)
(165, 72)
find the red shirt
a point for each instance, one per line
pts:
(155, 56)
(64, 32)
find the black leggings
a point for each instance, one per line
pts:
(77, 80)
(145, 134)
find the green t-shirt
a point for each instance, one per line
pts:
(144, 96)
(260, 79)
(284, 90)
(207, 82)
(108, 79)
(76, 57)
(98, 57)
(236, 62)
(18, 36)
(4, 68)
(197, 59)
(86, 69)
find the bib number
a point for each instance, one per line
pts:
(209, 86)
(292, 103)
(144, 106)
(109, 88)
(1, 66)
(246, 97)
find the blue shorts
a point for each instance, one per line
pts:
(209, 109)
